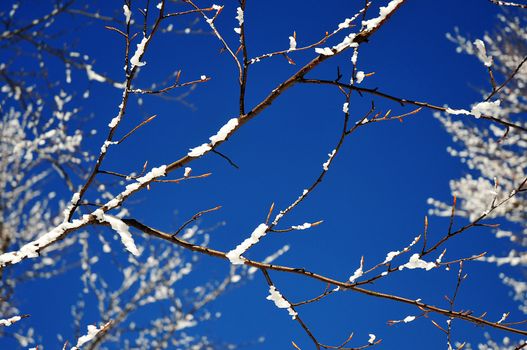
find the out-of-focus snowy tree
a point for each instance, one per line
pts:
(495, 156)
(42, 128)
(39, 151)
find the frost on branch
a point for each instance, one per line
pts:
(359, 77)
(326, 51)
(121, 228)
(239, 17)
(280, 302)
(224, 131)
(384, 11)
(292, 43)
(127, 13)
(416, 263)
(199, 151)
(136, 58)
(235, 255)
(31, 249)
(390, 256)
(304, 226)
(407, 319)
(326, 164)
(487, 108)
(133, 187)
(347, 42)
(220, 136)
(358, 273)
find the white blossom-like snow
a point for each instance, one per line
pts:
(224, 131)
(127, 13)
(372, 338)
(113, 123)
(384, 11)
(199, 151)
(408, 319)
(239, 16)
(482, 53)
(486, 107)
(304, 226)
(292, 43)
(325, 166)
(326, 51)
(235, 255)
(482, 108)
(355, 56)
(358, 273)
(280, 302)
(135, 60)
(221, 135)
(416, 263)
(359, 77)
(346, 43)
(345, 107)
(92, 333)
(346, 23)
(121, 228)
(457, 111)
(390, 256)
(279, 216)
(107, 144)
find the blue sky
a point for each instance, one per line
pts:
(372, 201)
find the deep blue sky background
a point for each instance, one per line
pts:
(372, 201)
